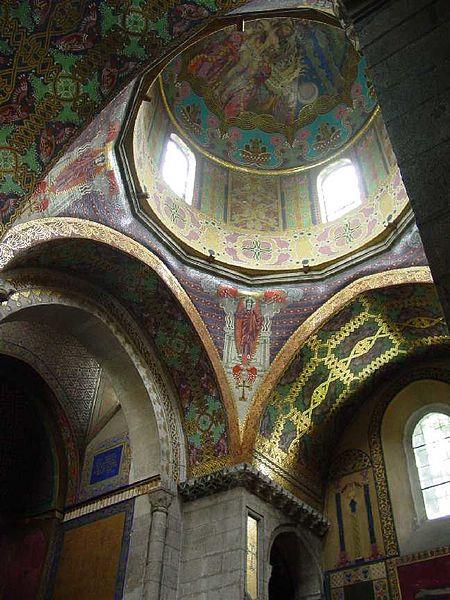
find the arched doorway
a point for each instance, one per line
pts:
(284, 556)
(33, 477)
(295, 575)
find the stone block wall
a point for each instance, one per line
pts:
(213, 548)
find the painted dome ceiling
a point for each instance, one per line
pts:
(284, 94)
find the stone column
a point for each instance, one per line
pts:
(406, 45)
(160, 502)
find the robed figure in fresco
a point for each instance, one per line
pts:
(247, 327)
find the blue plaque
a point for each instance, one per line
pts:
(106, 464)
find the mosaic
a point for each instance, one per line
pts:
(106, 466)
(316, 393)
(178, 346)
(284, 93)
(367, 582)
(260, 250)
(351, 506)
(246, 352)
(61, 61)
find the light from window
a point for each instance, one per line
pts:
(178, 169)
(338, 189)
(431, 444)
(252, 558)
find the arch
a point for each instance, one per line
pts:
(319, 390)
(387, 394)
(34, 476)
(312, 324)
(295, 571)
(32, 299)
(22, 238)
(37, 404)
(65, 427)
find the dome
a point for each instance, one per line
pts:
(263, 153)
(283, 95)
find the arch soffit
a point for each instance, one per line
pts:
(23, 237)
(67, 291)
(311, 325)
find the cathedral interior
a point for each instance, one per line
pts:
(224, 300)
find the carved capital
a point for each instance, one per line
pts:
(160, 501)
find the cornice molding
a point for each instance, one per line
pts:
(246, 476)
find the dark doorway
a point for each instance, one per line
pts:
(284, 559)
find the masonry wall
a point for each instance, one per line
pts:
(405, 43)
(213, 555)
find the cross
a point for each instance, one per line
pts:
(244, 386)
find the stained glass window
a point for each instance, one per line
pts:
(178, 168)
(252, 558)
(431, 444)
(338, 189)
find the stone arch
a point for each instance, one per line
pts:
(288, 545)
(34, 401)
(319, 389)
(32, 300)
(21, 240)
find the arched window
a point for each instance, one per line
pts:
(431, 445)
(178, 168)
(338, 189)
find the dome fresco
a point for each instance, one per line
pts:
(283, 94)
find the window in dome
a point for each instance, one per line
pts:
(178, 168)
(338, 189)
(431, 445)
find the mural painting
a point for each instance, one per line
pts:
(283, 93)
(246, 353)
(352, 505)
(313, 398)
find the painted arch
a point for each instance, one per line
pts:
(163, 311)
(320, 386)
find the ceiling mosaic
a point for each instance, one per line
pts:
(318, 391)
(181, 351)
(283, 94)
(62, 60)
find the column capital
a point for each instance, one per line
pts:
(160, 500)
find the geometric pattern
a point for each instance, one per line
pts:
(62, 60)
(368, 582)
(163, 320)
(60, 357)
(317, 393)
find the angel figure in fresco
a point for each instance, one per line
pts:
(247, 327)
